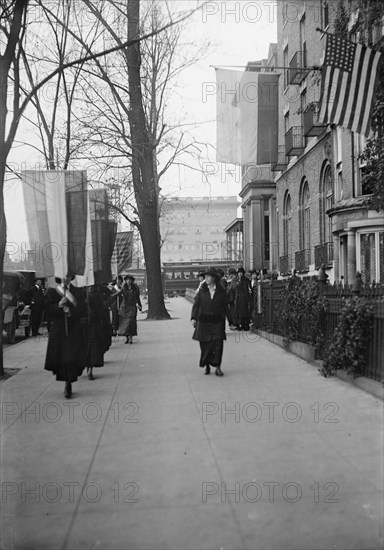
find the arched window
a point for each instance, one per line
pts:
(326, 197)
(287, 231)
(305, 222)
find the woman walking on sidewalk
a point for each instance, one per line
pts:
(67, 342)
(128, 309)
(208, 318)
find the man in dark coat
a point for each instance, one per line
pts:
(231, 291)
(242, 301)
(208, 318)
(37, 306)
(67, 342)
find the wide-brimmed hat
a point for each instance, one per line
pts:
(129, 277)
(201, 273)
(213, 272)
(232, 271)
(240, 270)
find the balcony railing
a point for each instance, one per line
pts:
(294, 141)
(311, 126)
(323, 255)
(285, 265)
(297, 67)
(302, 260)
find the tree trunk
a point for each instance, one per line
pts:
(143, 173)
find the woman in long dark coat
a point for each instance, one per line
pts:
(208, 317)
(95, 355)
(242, 301)
(67, 342)
(128, 309)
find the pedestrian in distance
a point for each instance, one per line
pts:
(201, 277)
(67, 342)
(242, 301)
(128, 309)
(209, 311)
(37, 306)
(231, 292)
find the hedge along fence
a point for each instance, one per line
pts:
(345, 327)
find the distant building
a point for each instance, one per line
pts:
(194, 228)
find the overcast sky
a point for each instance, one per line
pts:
(240, 31)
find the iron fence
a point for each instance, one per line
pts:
(270, 319)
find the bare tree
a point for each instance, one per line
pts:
(14, 98)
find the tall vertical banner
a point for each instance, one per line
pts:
(247, 117)
(56, 205)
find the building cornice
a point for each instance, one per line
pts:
(258, 185)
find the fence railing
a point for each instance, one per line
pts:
(270, 319)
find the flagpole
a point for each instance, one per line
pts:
(272, 68)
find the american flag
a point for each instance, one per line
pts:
(348, 84)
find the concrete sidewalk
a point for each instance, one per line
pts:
(153, 454)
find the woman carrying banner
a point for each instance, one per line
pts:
(208, 318)
(67, 342)
(128, 309)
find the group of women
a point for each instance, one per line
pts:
(80, 325)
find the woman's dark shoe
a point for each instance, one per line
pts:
(207, 370)
(90, 376)
(68, 390)
(219, 372)
(126, 340)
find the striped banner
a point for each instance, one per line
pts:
(349, 79)
(122, 254)
(56, 206)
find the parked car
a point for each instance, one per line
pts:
(16, 311)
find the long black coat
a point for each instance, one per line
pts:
(210, 314)
(66, 353)
(242, 301)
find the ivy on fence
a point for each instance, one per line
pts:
(301, 309)
(349, 348)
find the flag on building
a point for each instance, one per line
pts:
(349, 79)
(247, 117)
(103, 231)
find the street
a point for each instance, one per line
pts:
(153, 454)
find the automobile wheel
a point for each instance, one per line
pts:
(11, 331)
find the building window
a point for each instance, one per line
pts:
(305, 217)
(286, 123)
(326, 198)
(325, 14)
(286, 64)
(370, 256)
(287, 224)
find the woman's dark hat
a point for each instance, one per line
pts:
(213, 272)
(201, 273)
(240, 270)
(232, 271)
(129, 277)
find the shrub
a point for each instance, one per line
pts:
(348, 349)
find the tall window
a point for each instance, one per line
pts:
(326, 197)
(285, 65)
(287, 224)
(370, 257)
(305, 217)
(325, 13)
